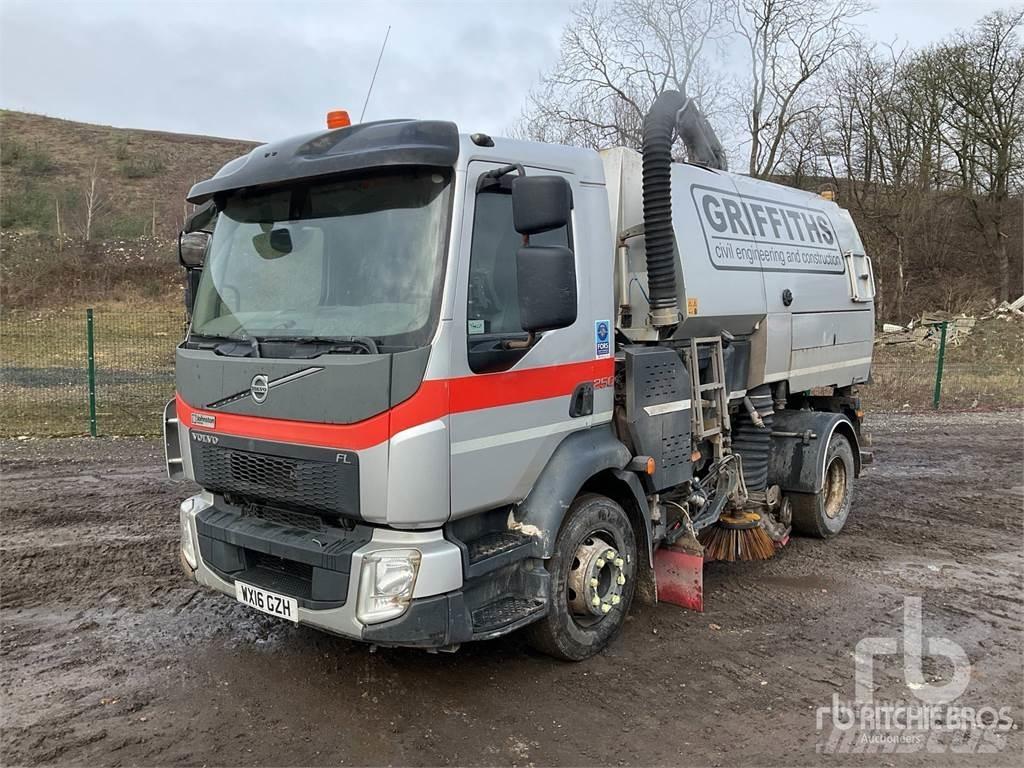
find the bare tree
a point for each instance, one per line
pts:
(60, 231)
(95, 202)
(983, 79)
(788, 43)
(878, 133)
(925, 148)
(615, 59)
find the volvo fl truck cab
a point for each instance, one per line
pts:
(437, 387)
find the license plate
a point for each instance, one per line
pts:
(282, 606)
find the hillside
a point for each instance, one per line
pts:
(141, 176)
(47, 168)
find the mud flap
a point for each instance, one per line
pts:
(679, 576)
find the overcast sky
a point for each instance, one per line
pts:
(260, 69)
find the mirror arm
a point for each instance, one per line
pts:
(497, 173)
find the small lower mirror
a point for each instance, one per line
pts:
(273, 244)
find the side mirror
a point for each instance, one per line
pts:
(546, 281)
(540, 203)
(192, 248)
(195, 236)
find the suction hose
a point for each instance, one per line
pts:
(659, 128)
(752, 437)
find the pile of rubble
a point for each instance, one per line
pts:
(1008, 309)
(926, 330)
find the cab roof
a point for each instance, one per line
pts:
(377, 144)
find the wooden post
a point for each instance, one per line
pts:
(60, 235)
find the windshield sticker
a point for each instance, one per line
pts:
(477, 327)
(602, 338)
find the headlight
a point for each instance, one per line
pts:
(188, 548)
(386, 584)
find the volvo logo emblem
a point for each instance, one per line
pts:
(259, 387)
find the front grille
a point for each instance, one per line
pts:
(286, 517)
(286, 577)
(290, 568)
(324, 486)
(254, 469)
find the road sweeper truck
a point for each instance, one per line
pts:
(438, 387)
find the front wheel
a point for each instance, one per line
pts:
(824, 514)
(593, 577)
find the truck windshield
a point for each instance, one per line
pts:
(355, 257)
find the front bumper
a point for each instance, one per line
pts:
(436, 616)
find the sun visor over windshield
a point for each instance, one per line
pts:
(367, 145)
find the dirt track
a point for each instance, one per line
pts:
(109, 656)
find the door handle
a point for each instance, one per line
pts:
(582, 401)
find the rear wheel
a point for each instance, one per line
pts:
(593, 577)
(824, 514)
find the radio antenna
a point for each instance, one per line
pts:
(374, 78)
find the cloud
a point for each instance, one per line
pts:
(262, 70)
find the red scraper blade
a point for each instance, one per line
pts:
(679, 575)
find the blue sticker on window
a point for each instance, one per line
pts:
(602, 338)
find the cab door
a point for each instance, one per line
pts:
(510, 403)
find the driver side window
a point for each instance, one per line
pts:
(493, 310)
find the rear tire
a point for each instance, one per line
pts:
(576, 627)
(824, 514)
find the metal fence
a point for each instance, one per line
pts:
(49, 387)
(910, 383)
(46, 387)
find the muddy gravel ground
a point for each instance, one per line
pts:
(110, 657)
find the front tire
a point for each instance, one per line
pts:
(593, 577)
(824, 514)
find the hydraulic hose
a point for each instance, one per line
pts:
(658, 132)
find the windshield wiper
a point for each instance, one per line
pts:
(251, 346)
(346, 344)
(228, 345)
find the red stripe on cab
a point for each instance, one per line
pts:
(433, 400)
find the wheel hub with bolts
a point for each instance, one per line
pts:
(835, 487)
(596, 578)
